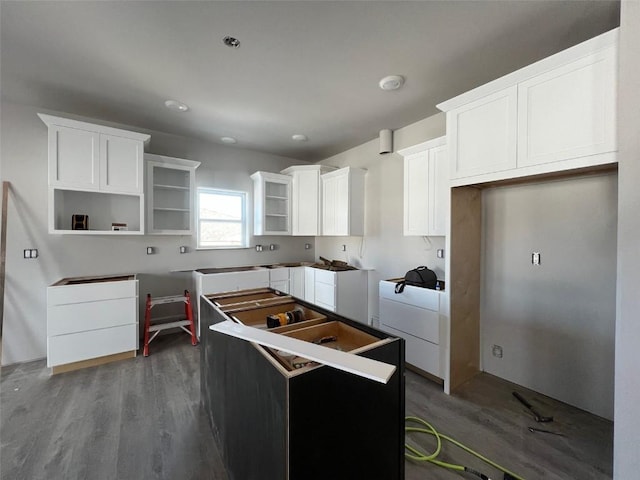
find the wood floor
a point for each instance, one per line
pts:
(141, 419)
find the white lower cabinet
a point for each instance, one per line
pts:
(88, 318)
(279, 279)
(415, 316)
(227, 279)
(343, 292)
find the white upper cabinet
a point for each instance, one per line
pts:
(426, 188)
(170, 195)
(483, 135)
(555, 115)
(84, 156)
(271, 204)
(306, 198)
(568, 112)
(96, 172)
(343, 202)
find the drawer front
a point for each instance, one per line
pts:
(80, 317)
(419, 353)
(325, 276)
(91, 292)
(417, 296)
(421, 323)
(325, 295)
(75, 347)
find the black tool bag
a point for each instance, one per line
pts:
(418, 277)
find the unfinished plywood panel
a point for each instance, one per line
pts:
(464, 288)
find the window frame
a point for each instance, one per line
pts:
(244, 221)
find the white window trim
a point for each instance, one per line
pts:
(244, 221)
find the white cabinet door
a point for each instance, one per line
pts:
(306, 203)
(343, 202)
(310, 284)
(297, 282)
(121, 164)
(416, 194)
(426, 188)
(482, 135)
(438, 190)
(74, 158)
(568, 112)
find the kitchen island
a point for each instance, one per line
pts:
(279, 417)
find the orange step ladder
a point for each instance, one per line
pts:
(158, 327)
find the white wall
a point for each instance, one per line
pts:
(626, 461)
(24, 164)
(384, 248)
(556, 321)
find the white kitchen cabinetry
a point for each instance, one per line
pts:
(297, 282)
(217, 280)
(555, 115)
(415, 315)
(343, 292)
(279, 279)
(306, 198)
(426, 188)
(343, 202)
(271, 204)
(95, 171)
(170, 195)
(568, 112)
(91, 319)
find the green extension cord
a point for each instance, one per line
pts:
(432, 458)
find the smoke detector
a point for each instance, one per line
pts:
(392, 82)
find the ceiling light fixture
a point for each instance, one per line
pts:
(229, 140)
(298, 137)
(231, 42)
(392, 82)
(176, 106)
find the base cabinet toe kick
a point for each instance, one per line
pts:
(300, 419)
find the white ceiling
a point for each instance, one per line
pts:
(308, 67)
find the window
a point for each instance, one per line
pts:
(222, 218)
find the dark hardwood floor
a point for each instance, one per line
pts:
(141, 419)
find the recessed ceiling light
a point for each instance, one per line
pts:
(392, 82)
(229, 140)
(231, 42)
(298, 137)
(176, 106)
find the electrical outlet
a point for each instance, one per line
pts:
(497, 351)
(183, 249)
(151, 250)
(344, 248)
(273, 246)
(30, 253)
(535, 258)
(307, 246)
(440, 253)
(258, 248)
(27, 253)
(34, 253)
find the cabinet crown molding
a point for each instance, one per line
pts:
(421, 147)
(588, 47)
(51, 120)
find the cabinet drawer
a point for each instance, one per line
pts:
(76, 347)
(325, 295)
(417, 296)
(419, 353)
(421, 323)
(325, 276)
(80, 317)
(91, 292)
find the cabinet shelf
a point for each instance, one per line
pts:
(163, 209)
(170, 187)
